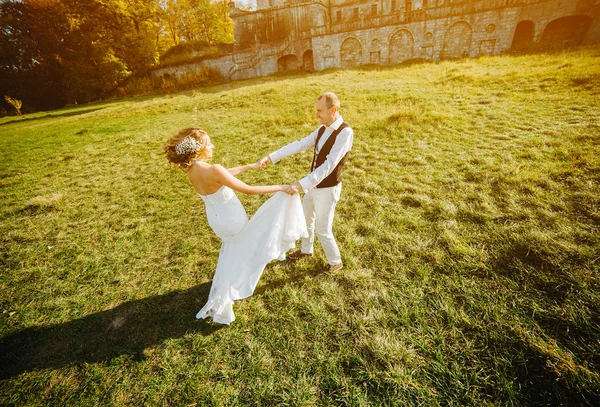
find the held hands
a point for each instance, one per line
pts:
(263, 162)
(293, 189)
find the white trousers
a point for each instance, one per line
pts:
(319, 208)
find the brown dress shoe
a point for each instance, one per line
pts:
(298, 255)
(330, 269)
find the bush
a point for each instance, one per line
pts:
(170, 82)
(15, 103)
(192, 51)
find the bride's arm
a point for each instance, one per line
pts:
(238, 170)
(225, 177)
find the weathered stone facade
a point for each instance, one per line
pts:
(315, 35)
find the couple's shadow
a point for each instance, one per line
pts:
(127, 329)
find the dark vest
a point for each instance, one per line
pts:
(336, 175)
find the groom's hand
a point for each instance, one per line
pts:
(294, 188)
(263, 162)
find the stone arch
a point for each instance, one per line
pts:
(523, 33)
(308, 62)
(457, 41)
(350, 53)
(287, 62)
(401, 46)
(566, 31)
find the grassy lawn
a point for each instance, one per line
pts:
(469, 226)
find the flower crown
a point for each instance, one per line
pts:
(188, 145)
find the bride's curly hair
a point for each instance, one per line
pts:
(185, 160)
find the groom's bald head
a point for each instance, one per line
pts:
(331, 100)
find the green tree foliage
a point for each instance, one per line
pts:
(30, 49)
(107, 41)
(197, 20)
(54, 52)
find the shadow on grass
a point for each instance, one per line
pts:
(293, 279)
(540, 377)
(52, 116)
(124, 330)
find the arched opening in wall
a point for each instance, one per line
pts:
(401, 46)
(566, 31)
(308, 63)
(523, 33)
(457, 41)
(350, 53)
(287, 63)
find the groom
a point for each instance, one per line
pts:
(331, 143)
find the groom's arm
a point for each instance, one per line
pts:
(292, 148)
(343, 144)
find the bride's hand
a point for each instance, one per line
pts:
(283, 188)
(294, 188)
(263, 162)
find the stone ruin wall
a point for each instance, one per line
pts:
(315, 35)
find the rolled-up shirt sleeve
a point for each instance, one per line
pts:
(294, 147)
(343, 144)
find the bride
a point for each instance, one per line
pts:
(247, 245)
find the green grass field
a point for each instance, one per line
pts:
(469, 226)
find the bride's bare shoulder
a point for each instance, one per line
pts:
(200, 167)
(218, 169)
(199, 170)
(206, 171)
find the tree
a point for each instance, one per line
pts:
(59, 51)
(29, 53)
(197, 20)
(108, 41)
(54, 52)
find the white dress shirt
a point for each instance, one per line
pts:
(342, 145)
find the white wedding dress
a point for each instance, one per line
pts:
(248, 245)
